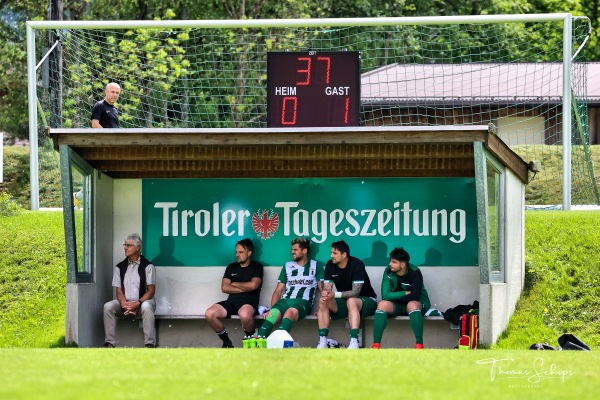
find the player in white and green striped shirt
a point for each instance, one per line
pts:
(295, 292)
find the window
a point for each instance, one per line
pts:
(81, 210)
(495, 217)
(77, 204)
(490, 175)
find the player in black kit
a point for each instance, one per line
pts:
(242, 281)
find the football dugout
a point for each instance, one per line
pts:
(452, 196)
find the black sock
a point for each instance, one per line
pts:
(224, 336)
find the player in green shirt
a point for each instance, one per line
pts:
(402, 293)
(294, 294)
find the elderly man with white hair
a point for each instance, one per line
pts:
(135, 282)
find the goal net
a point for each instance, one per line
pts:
(417, 72)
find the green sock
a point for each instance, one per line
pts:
(416, 323)
(286, 324)
(323, 332)
(379, 324)
(354, 333)
(265, 329)
(267, 326)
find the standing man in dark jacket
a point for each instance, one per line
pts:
(402, 293)
(135, 283)
(354, 296)
(104, 113)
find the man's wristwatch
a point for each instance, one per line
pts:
(140, 301)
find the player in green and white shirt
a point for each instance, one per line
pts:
(300, 280)
(295, 292)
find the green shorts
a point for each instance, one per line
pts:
(368, 308)
(303, 306)
(400, 309)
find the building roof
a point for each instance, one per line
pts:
(479, 83)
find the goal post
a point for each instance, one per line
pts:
(567, 53)
(415, 71)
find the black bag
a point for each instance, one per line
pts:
(571, 342)
(542, 346)
(567, 341)
(453, 314)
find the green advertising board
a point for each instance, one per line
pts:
(196, 222)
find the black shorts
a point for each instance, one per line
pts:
(233, 306)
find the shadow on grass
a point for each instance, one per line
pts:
(60, 343)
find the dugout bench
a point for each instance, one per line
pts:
(191, 330)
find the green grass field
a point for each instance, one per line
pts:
(296, 374)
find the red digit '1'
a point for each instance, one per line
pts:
(294, 101)
(347, 110)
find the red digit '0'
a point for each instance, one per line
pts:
(294, 105)
(306, 71)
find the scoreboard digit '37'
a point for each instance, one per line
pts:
(313, 89)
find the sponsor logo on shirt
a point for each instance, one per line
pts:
(305, 282)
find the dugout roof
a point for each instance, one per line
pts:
(433, 151)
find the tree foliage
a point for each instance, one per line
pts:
(13, 64)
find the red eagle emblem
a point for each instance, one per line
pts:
(265, 223)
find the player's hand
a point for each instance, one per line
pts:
(327, 295)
